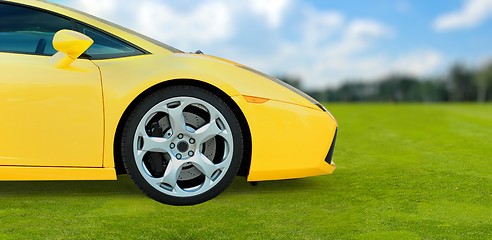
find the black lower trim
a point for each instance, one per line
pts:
(329, 156)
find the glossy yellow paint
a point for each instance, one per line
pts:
(289, 141)
(50, 116)
(290, 135)
(55, 173)
(70, 45)
(120, 91)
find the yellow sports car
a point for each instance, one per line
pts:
(85, 99)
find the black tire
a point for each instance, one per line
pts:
(154, 164)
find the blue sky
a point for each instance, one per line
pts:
(323, 42)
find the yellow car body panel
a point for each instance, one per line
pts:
(14, 173)
(289, 141)
(119, 92)
(275, 125)
(290, 135)
(50, 116)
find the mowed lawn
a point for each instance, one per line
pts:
(404, 172)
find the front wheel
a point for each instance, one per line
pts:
(182, 145)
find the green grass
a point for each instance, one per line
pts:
(404, 172)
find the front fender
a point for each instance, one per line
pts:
(124, 79)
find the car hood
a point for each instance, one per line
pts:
(312, 102)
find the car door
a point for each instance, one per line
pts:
(48, 116)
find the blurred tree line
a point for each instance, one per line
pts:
(460, 84)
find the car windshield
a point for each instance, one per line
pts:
(170, 48)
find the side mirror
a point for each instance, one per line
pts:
(70, 45)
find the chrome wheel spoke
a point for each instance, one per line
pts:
(176, 118)
(208, 131)
(144, 143)
(207, 167)
(172, 172)
(154, 144)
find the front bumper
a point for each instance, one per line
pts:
(329, 156)
(288, 140)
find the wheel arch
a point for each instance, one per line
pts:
(246, 161)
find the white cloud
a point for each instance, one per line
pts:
(319, 26)
(344, 53)
(333, 49)
(418, 62)
(273, 10)
(96, 7)
(473, 13)
(366, 28)
(359, 34)
(206, 23)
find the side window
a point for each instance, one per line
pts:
(106, 46)
(30, 31)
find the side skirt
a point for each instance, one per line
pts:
(19, 173)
